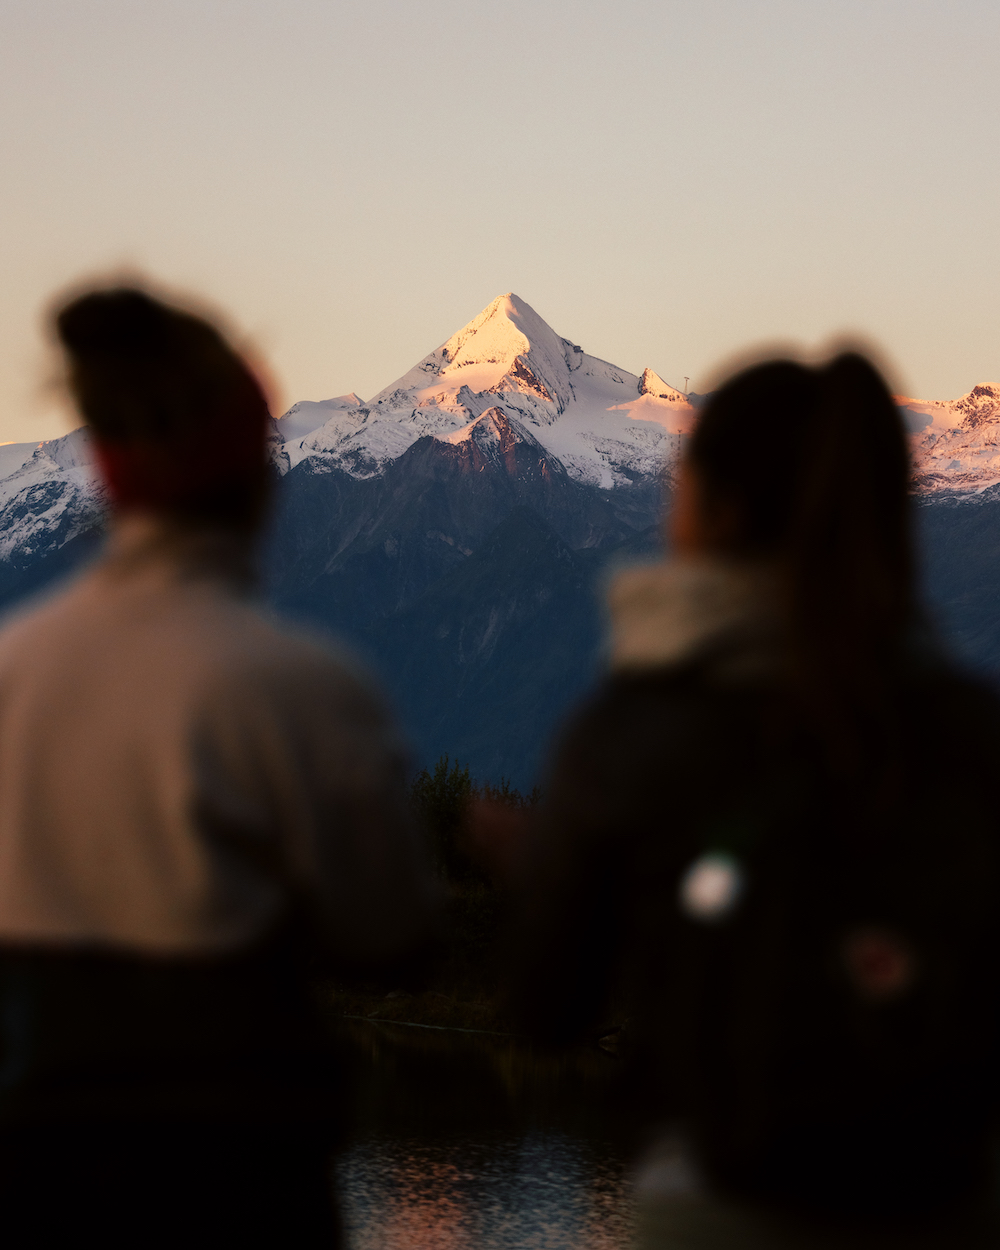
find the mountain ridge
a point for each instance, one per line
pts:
(607, 426)
(456, 529)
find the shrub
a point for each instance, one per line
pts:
(440, 799)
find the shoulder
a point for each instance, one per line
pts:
(638, 712)
(641, 734)
(295, 706)
(279, 664)
(53, 611)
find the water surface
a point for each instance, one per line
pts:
(466, 1143)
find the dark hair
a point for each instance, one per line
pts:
(149, 379)
(811, 465)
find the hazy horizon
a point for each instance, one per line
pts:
(666, 184)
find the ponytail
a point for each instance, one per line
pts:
(813, 466)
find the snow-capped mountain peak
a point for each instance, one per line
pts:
(652, 384)
(980, 407)
(494, 336)
(606, 425)
(506, 348)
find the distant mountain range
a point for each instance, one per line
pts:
(457, 527)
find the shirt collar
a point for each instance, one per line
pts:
(155, 546)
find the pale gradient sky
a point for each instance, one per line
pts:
(665, 182)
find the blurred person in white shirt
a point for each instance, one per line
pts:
(198, 807)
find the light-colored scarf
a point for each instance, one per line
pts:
(666, 612)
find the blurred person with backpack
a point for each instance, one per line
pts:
(199, 808)
(772, 838)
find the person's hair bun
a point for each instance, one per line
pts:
(119, 322)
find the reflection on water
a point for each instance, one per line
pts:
(477, 1143)
(544, 1190)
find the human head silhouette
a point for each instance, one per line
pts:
(178, 418)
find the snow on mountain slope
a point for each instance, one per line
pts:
(606, 425)
(506, 378)
(956, 442)
(306, 416)
(50, 498)
(13, 456)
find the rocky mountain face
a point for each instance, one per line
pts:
(456, 528)
(956, 443)
(51, 511)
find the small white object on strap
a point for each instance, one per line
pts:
(711, 887)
